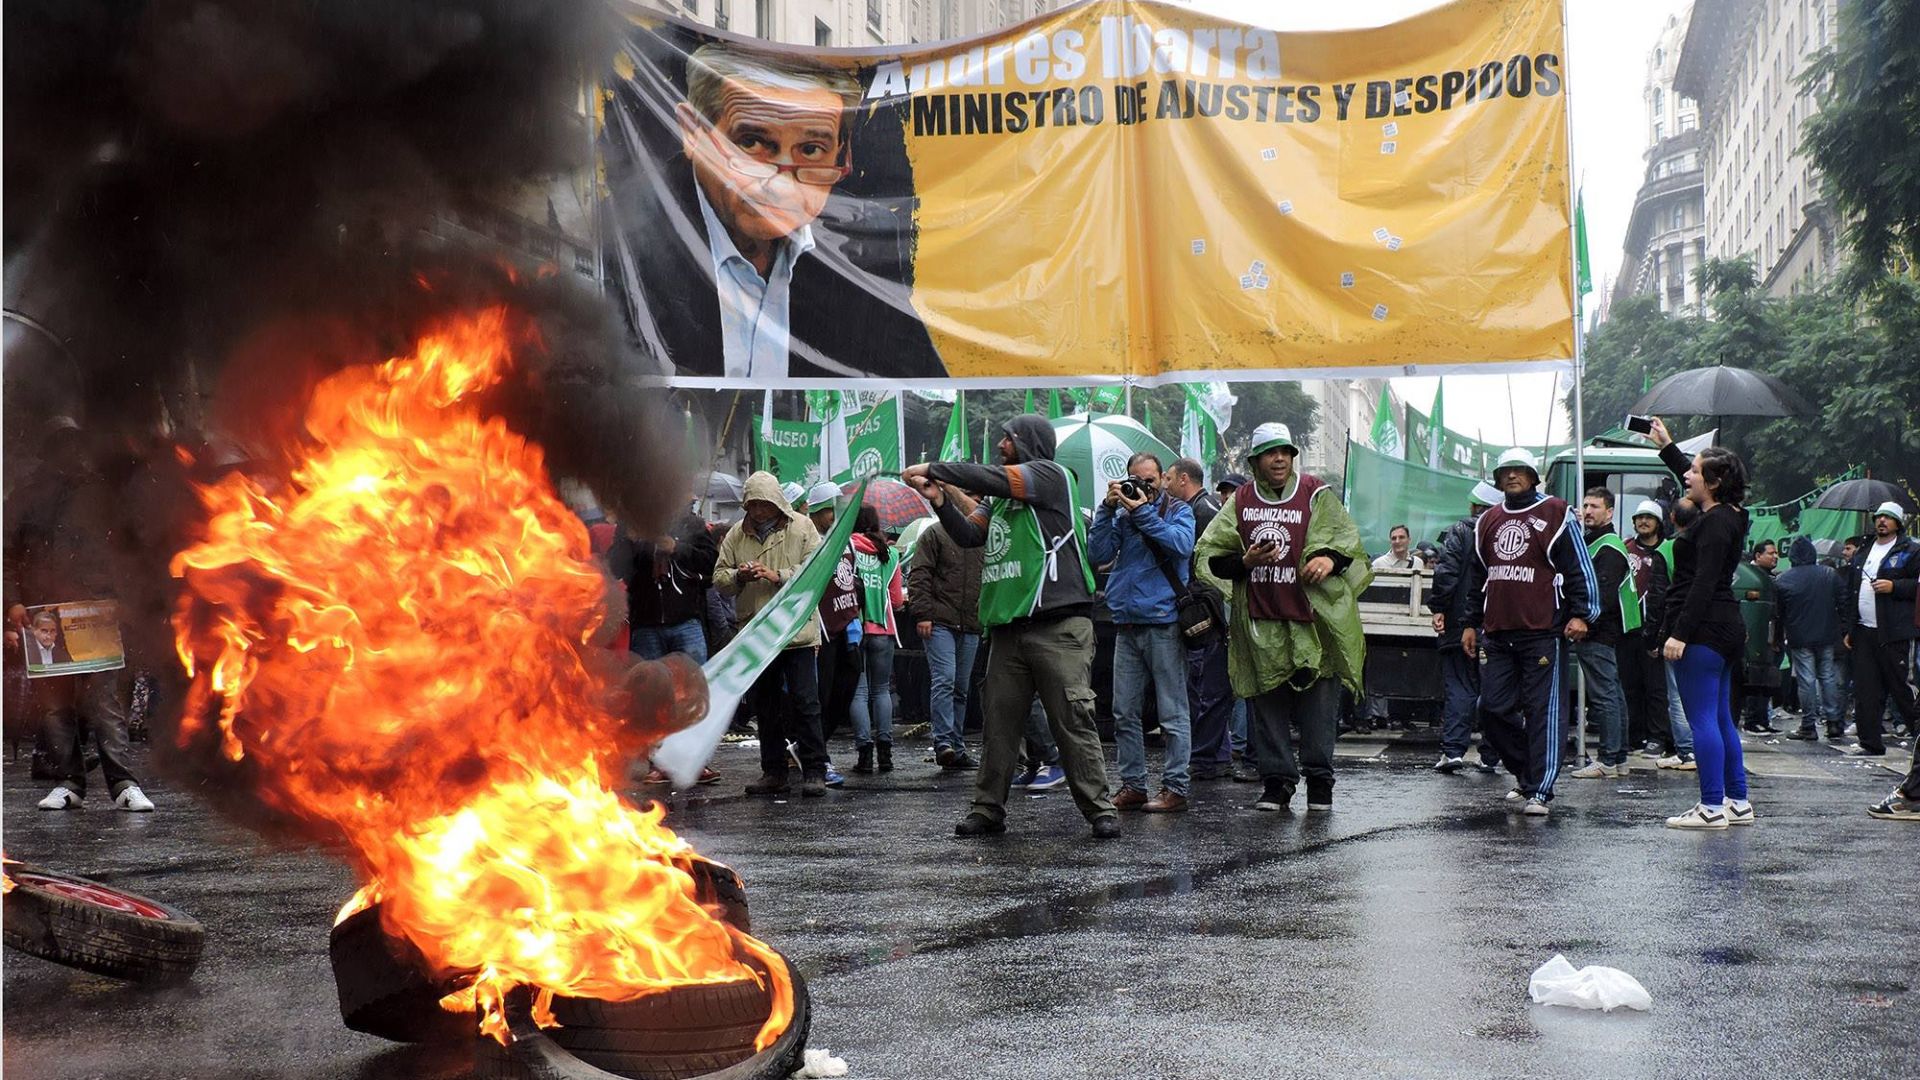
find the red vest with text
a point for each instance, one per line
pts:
(1523, 588)
(1275, 592)
(1640, 557)
(840, 604)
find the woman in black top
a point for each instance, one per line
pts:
(1703, 633)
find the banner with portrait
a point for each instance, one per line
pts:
(72, 638)
(1117, 190)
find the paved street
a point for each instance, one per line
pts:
(1393, 937)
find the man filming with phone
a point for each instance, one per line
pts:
(1148, 537)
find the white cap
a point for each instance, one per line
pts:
(793, 492)
(1485, 494)
(1649, 508)
(822, 494)
(1891, 509)
(1518, 457)
(1267, 436)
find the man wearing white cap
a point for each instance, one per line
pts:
(1530, 584)
(1296, 567)
(1447, 599)
(1880, 627)
(1643, 676)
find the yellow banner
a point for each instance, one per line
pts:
(1119, 189)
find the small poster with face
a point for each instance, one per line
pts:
(73, 638)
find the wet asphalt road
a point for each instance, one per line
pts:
(1393, 937)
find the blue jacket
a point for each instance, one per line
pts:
(1137, 592)
(1810, 600)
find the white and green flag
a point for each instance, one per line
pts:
(1209, 410)
(733, 670)
(953, 446)
(846, 435)
(1386, 433)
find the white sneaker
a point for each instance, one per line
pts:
(1737, 816)
(1682, 762)
(1599, 771)
(1448, 763)
(1699, 817)
(1536, 807)
(1514, 796)
(61, 798)
(133, 800)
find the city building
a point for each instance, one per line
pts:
(1667, 232)
(1346, 411)
(1741, 60)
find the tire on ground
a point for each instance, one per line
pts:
(94, 927)
(691, 1033)
(386, 989)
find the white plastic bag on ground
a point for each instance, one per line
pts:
(1593, 987)
(818, 1063)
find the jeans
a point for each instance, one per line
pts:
(1677, 714)
(1460, 709)
(655, 642)
(1140, 654)
(63, 700)
(1602, 667)
(1706, 688)
(950, 656)
(1819, 682)
(1240, 726)
(873, 698)
(1210, 708)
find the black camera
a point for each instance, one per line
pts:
(1134, 488)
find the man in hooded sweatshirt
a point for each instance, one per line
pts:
(1036, 603)
(759, 554)
(1296, 568)
(1811, 602)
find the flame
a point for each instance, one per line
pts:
(395, 642)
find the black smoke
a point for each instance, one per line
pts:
(211, 203)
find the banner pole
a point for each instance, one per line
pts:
(1579, 351)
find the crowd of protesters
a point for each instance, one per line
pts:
(1235, 626)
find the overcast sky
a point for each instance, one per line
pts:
(1606, 71)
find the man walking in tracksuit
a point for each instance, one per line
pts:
(1530, 585)
(1036, 602)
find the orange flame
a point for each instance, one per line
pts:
(396, 643)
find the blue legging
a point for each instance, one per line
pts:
(1705, 679)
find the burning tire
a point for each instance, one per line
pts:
(689, 1033)
(386, 989)
(94, 927)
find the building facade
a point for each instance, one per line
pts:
(856, 23)
(1667, 232)
(1346, 410)
(1741, 60)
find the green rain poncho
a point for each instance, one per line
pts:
(1262, 654)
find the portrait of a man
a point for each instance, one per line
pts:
(741, 247)
(44, 643)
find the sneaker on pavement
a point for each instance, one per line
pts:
(1856, 750)
(962, 761)
(833, 779)
(1275, 797)
(1449, 764)
(1700, 816)
(944, 756)
(1047, 779)
(1536, 807)
(1805, 734)
(1025, 778)
(1682, 761)
(62, 798)
(1895, 807)
(1736, 813)
(1600, 771)
(1488, 767)
(133, 800)
(979, 825)
(1514, 798)
(708, 776)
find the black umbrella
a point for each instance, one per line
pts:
(1862, 495)
(1722, 391)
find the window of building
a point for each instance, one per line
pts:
(692, 6)
(1679, 217)
(1688, 122)
(1659, 130)
(873, 15)
(722, 20)
(1659, 99)
(822, 34)
(763, 18)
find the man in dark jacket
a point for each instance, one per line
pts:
(1036, 602)
(1598, 653)
(1209, 693)
(1879, 589)
(1530, 587)
(1810, 615)
(943, 599)
(1643, 681)
(667, 579)
(1447, 599)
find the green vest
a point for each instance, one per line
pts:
(1019, 561)
(875, 577)
(1666, 555)
(1629, 589)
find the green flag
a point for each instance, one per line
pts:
(1029, 400)
(1386, 434)
(1437, 425)
(1646, 378)
(953, 447)
(1583, 268)
(1054, 411)
(734, 669)
(1146, 416)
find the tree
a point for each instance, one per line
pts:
(1865, 138)
(1636, 347)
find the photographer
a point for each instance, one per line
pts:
(1148, 536)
